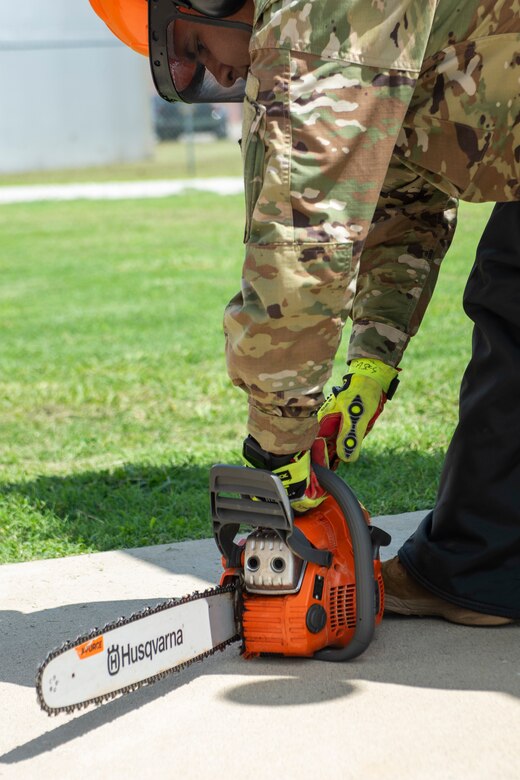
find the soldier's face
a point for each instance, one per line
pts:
(223, 51)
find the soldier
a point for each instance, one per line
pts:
(364, 124)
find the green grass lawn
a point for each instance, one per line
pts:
(114, 398)
(169, 160)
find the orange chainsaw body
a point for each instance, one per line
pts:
(322, 613)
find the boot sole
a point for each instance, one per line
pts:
(454, 615)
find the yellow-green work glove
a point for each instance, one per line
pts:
(295, 471)
(351, 410)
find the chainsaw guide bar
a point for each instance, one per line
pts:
(98, 660)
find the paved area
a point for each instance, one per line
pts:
(121, 190)
(426, 700)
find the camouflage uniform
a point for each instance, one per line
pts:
(365, 121)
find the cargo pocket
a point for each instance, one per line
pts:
(253, 149)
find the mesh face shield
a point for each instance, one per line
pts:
(180, 68)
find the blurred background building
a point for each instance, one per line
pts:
(71, 94)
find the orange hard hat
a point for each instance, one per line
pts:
(127, 19)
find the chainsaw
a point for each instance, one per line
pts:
(307, 586)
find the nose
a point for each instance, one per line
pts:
(224, 74)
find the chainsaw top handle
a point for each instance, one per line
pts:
(274, 511)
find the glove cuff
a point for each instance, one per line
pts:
(255, 456)
(293, 470)
(384, 375)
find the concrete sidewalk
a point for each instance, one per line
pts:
(426, 700)
(118, 190)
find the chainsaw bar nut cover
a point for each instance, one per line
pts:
(316, 618)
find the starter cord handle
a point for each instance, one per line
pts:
(363, 566)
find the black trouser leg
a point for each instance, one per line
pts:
(468, 549)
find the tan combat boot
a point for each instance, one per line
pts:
(404, 596)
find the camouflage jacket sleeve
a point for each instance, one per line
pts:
(328, 89)
(411, 232)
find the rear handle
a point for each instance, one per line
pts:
(363, 567)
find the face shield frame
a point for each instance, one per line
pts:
(202, 87)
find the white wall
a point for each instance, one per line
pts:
(71, 95)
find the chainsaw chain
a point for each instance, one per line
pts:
(230, 588)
